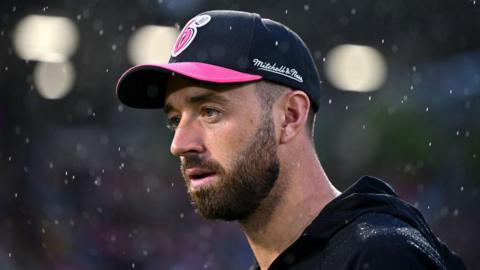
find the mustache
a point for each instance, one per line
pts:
(195, 161)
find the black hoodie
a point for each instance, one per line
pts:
(367, 227)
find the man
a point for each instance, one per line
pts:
(240, 93)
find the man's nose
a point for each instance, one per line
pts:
(187, 139)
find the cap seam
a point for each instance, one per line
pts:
(255, 16)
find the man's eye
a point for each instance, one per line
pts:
(210, 112)
(172, 123)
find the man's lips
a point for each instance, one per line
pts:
(196, 174)
(199, 177)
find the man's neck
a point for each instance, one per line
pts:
(301, 192)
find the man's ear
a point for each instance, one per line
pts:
(295, 110)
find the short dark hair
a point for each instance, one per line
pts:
(268, 92)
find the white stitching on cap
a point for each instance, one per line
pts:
(282, 70)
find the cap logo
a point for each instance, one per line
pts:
(188, 33)
(290, 73)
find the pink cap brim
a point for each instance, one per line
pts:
(129, 86)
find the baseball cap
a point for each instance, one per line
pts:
(221, 47)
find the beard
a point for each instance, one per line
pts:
(240, 191)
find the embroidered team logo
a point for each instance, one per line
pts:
(188, 33)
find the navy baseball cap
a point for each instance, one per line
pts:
(224, 46)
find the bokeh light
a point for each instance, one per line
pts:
(45, 38)
(151, 44)
(54, 80)
(355, 68)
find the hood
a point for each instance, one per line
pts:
(367, 195)
(372, 195)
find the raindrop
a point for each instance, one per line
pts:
(15, 195)
(276, 43)
(383, 41)
(394, 48)
(354, 11)
(455, 212)
(114, 47)
(461, 188)
(10, 254)
(286, 11)
(182, 215)
(426, 109)
(306, 7)
(429, 144)
(346, 108)
(369, 98)
(329, 101)
(97, 181)
(458, 132)
(45, 8)
(451, 91)
(100, 32)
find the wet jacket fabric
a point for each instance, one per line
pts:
(367, 227)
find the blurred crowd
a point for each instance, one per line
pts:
(87, 183)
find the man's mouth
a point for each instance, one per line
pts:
(199, 176)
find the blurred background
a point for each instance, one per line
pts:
(87, 183)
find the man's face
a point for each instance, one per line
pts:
(226, 144)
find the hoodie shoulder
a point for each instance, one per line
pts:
(381, 241)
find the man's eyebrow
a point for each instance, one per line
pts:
(194, 100)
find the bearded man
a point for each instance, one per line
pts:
(240, 93)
